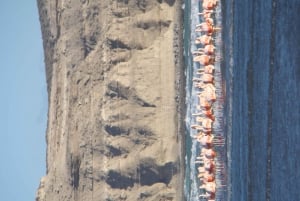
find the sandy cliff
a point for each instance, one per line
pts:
(114, 77)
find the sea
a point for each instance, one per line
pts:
(258, 107)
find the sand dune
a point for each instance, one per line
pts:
(114, 77)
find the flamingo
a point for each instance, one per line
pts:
(206, 177)
(209, 69)
(202, 170)
(205, 122)
(207, 153)
(204, 40)
(210, 187)
(208, 49)
(204, 59)
(207, 113)
(209, 4)
(205, 100)
(206, 27)
(205, 78)
(206, 13)
(211, 166)
(210, 196)
(208, 141)
(209, 95)
(206, 87)
(209, 20)
(204, 103)
(200, 128)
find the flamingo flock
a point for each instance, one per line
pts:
(204, 83)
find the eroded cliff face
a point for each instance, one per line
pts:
(114, 78)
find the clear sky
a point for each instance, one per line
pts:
(23, 102)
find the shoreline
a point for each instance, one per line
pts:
(180, 80)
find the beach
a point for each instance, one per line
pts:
(116, 83)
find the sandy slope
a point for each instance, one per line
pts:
(114, 78)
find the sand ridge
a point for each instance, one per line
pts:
(113, 73)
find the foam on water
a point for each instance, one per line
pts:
(192, 190)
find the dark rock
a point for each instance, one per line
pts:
(116, 180)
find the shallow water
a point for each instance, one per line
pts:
(192, 191)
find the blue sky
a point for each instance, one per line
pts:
(23, 102)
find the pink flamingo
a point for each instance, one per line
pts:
(204, 40)
(209, 4)
(204, 103)
(209, 196)
(207, 153)
(209, 95)
(208, 49)
(206, 13)
(206, 113)
(207, 87)
(209, 69)
(209, 187)
(205, 122)
(205, 78)
(206, 27)
(204, 59)
(209, 141)
(206, 177)
(201, 129)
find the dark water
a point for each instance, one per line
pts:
(261, 79)
(261, 48)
